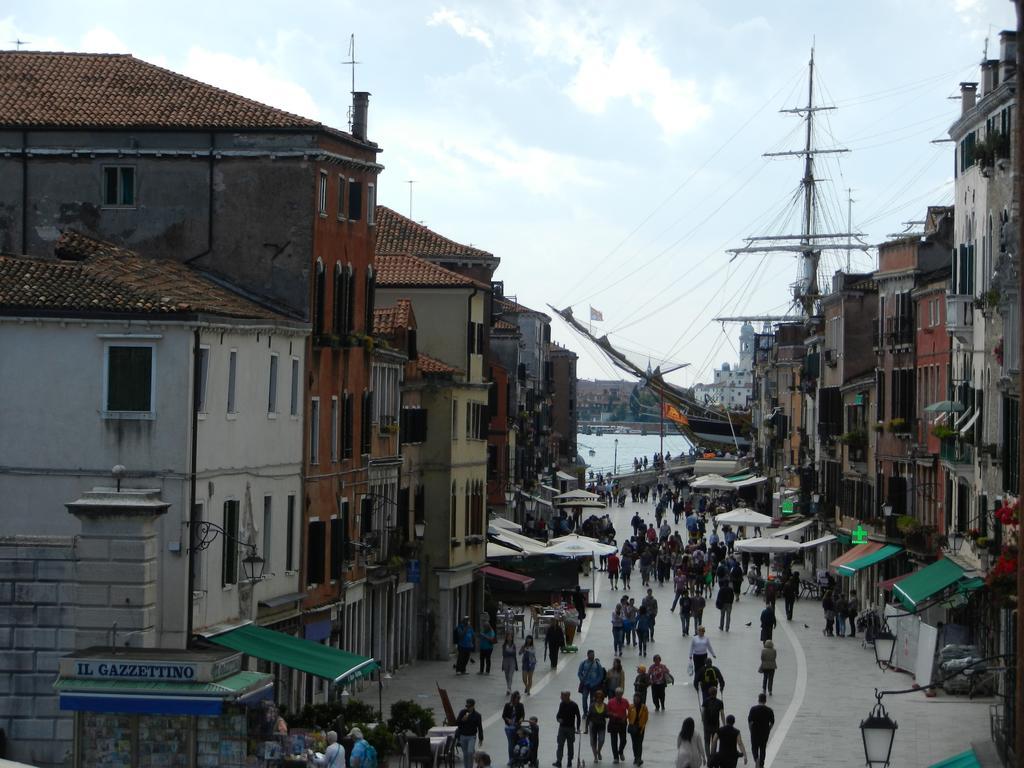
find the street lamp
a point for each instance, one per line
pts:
(615, 471)
(878, 732)
(420, 529)
(204, 533)
(885, 646)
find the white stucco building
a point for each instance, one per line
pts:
(732, 385)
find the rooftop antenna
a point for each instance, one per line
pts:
(18, 42)
(410, 182)
(351, 62)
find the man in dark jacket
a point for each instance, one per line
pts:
(768, 623)
(761, 719)
(554, 639)
(789, 594)
(568, 719)
(724, 605)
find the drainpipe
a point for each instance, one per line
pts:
(190, 554)
(469, 319)
(1018, 196)
(24, 193)
(209, 202)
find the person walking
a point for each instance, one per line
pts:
(641, 682)
(629, 614)
(466, 641)
(697, 604)
(487, 639)
(636, 725)
(710, 678)
(618, 629)
(852, 609)
(679, 582)
(579, 602)
(760, 720)
(841, 609)
(529, 655)
(768, 623)
(618, 712)
(728, 744)
(723, 603)
(690, 752)
(712, 717)
(660, 676)
(615, 677)
(790, 590)
(513, 714)
(597, 724)
(685, 607)
(769, 657)
(568, 719)
(554, 641)
(591, 675)
(468, 727)
(612, 564)
(651, 604)
(509, 660)
(625, 569)
(828, 605)
(644, 623)
(700, 647)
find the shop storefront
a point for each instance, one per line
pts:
(156, 708)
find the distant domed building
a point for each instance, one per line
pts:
(733, 386)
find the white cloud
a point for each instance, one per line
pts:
(249, 77)
(461, 27)
(102, 40)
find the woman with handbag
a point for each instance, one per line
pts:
(597, 723)
(660, 676)
(689, 747)
(637, 719)
(509, 660)
(768, 666)
(529, 654)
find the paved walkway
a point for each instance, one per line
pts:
(823, 688)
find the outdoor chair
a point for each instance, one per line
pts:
(418, 751)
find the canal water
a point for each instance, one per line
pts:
(629, 446)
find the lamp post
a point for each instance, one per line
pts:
(615, 470)
(878, 731)
(885, 646)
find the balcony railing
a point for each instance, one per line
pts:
(956, 451)
(960, 316)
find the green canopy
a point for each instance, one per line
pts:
(844, 539)
(964, 760)
(305, 655)
(849, 569)
(969, 585)
(739, 476)
(931, 579)
(944, 406)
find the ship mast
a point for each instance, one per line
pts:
(809, 244)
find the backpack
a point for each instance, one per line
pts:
(369, 757)
(709, 677)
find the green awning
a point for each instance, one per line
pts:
(969, 585)
(964, 760)
(844, 539)
(228, 688)
(849, 569)
(944, 406)
(161, 698)
(739, 476)
(305, 655)
(930, 580)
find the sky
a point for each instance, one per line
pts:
(608, 152)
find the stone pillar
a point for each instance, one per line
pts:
(117, 567)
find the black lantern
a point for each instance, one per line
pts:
(420, 530)
(530, 502)
(878, 731)
(252, 566)
(510, 495)
(885, 646)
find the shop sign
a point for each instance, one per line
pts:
(155, 670)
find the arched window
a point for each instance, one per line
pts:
(318, 298)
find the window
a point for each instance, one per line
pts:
(318, 298)
(314, 431)
(202, 374)
(268, 528)
(293, 407)
(342, 299)
(272, 388)
(334, 428)
(315, 552)
(130, 380)
(413, 425)
(322, 194)
(386, 395)
(341, 198)
(347, 427)
(371, 204)
(454, 511)
(119, 186)
(289, 556)
(229, 563)
(232, 373)
(476, 421)
(355, 200)
(366, 423)
(371, 286)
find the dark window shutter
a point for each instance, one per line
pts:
(479, 338)
(365, 516)
(337, 544)
(315, 553)
(470, 337)
(411, 344)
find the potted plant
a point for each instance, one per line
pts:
(854, 439)
(898, 426)
(409, 717)
(879, 427)
(943, 432)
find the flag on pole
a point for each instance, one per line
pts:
(596, 315)
(672, 413)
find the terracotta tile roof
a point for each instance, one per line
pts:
(404, 271)
(515, 307)
(83, 90)
(95, 277)
(397, 234)
(387, 320)
(504, 325)
(432, 366)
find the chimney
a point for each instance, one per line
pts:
(1007, 54)
(989, 76)
(968, 97)
(360, 103)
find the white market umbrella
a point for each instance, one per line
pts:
(497, 550)
(712, 482)
(580, 503)
(578, 494)
(575, 545)
(505, 523)
(743, 516)
(525, 543)
(766, 544)
(790, 530)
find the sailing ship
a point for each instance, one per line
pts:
(708, 423)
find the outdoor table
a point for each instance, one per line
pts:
(442, 731)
